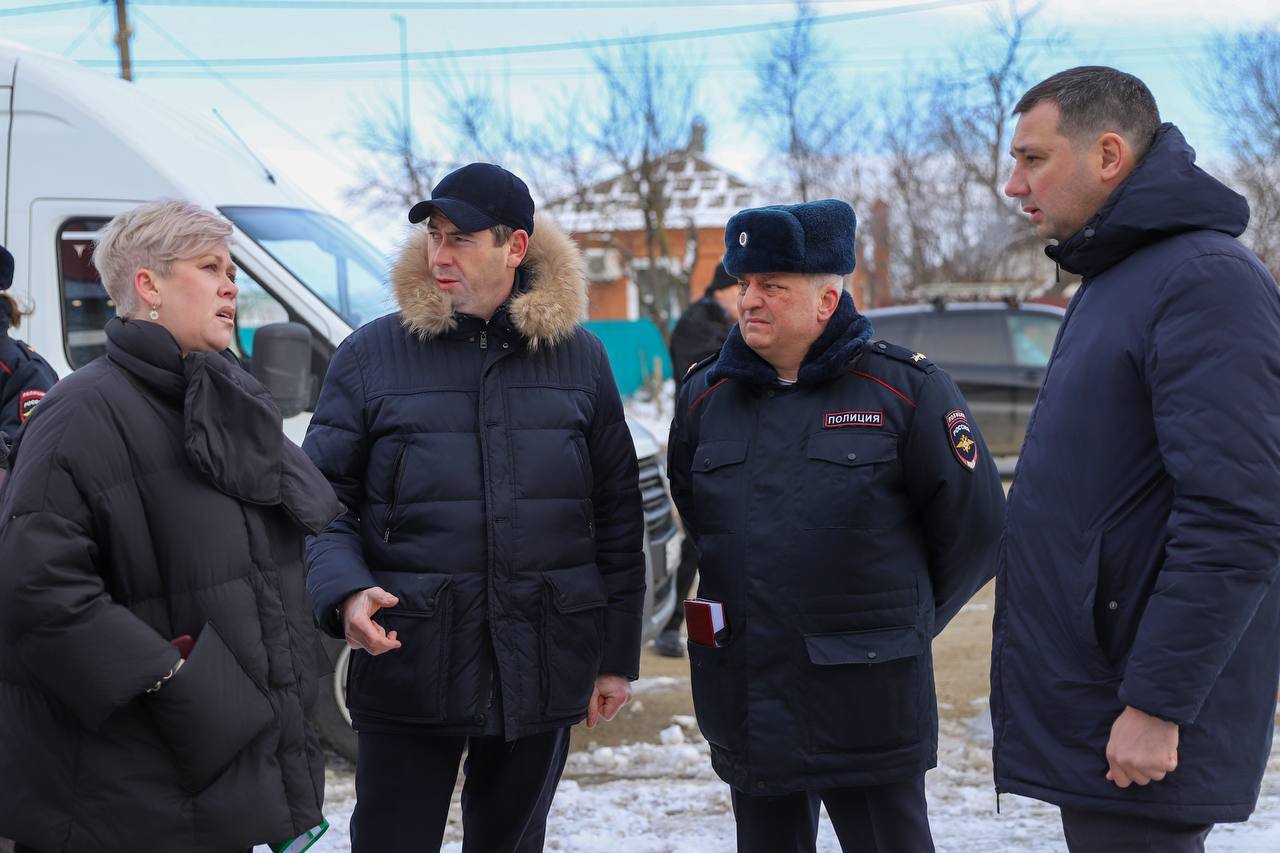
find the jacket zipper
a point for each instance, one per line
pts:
(998, 736)
(484, 339)
(395, 492)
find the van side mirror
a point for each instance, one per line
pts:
(282, 362)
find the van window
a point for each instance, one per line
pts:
(324, 254)
(897, 329)
(1032, 336)
(255, 308)
(86, 308)
(963, 337)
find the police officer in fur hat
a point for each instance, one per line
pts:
(25, 377)
(845, 507)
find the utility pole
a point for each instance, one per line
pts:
(123, 34)
(404, 76)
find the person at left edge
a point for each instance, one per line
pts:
(25, 377)
(844, 508)
(494, 525)
(154, 495)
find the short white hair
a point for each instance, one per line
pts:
(827, 280)
(152, 236)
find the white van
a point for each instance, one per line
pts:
(77, 147)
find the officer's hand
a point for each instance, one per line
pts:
(362, 632)
(607, 698)
(1142, 748)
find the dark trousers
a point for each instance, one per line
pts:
(404, 784)
(1100, 832)
(880, 819)
(685, 574)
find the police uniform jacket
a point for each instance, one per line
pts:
(842, 522)
(491, 484)
(25, 377)
(1143, 540)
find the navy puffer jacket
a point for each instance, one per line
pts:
(1143, 534)
(492, 486)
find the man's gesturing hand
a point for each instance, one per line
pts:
(607, 698)
(357, 623)
(1142, 748)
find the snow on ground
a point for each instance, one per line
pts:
(663, 798)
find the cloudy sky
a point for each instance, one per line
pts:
(290, 75)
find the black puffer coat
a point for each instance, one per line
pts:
(154, 496)
(492, 487)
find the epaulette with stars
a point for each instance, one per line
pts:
(918, 360)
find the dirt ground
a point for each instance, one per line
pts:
(962, 659)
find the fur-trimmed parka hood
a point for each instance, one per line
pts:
(553, 300)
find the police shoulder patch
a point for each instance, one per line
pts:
(27, 402)
(918, 360)
(960, 434)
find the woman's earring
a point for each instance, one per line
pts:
(155, 313)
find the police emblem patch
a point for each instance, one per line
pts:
(831, 420)
(963, 444)
(26, 402)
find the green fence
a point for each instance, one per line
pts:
(633, 346)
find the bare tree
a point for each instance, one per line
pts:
(1242, 88)
(394, 170)
(947, 142)
(800, 108)
(642, 123)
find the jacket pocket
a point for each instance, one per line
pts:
(209, 711)
(845, 480)
(572, 639)
(411, 683)
(719, 693)
(870, 689)
(718, 480)
(397, 474)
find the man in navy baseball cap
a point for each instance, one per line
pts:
(477, 197)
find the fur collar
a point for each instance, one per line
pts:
(546, 313)
(843, 338)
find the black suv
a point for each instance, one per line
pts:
(996, 352)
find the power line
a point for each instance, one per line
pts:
(87, 31)
(46, 7)
(257, 107)
(550, 47)
(462, 5)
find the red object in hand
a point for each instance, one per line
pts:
(184, 645)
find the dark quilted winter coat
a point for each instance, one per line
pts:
(1143, 534)
(155, 496)
(491, 484)
(842, 522)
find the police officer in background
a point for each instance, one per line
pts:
(699, 333)
(844, 507)
(24, 375)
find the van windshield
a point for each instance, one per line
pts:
(334, 262)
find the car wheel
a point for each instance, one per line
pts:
(332, 717)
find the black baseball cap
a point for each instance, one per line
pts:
(477, 197)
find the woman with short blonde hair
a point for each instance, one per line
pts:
(160, 659)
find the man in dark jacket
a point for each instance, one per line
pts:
(1137, 629)
(700, 332)
(488, 570)
(25, 377)
(705, 324)
(844, 507)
